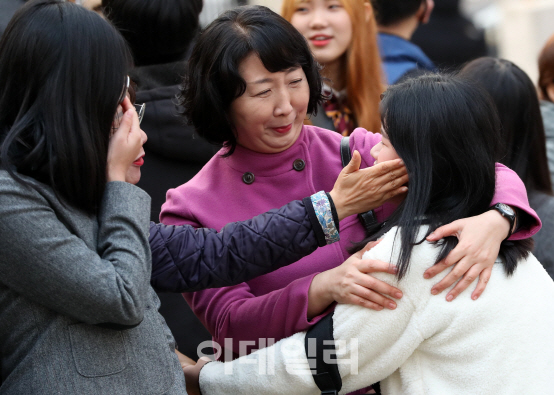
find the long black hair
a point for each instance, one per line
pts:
(446, 131)
(62, 72)
(518, 107)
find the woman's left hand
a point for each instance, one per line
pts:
(474, 256)
(125, 144)
(357, 191)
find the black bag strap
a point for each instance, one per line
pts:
(368, 218)
(326, 376)
(345, 154)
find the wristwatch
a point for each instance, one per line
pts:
(507, 212)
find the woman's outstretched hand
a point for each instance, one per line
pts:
(474, 256)
(125, 144)
(357, 191)
(350, 283)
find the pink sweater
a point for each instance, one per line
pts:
(274, 306)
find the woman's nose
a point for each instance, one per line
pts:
(144, 137)
(318, 20)
(283, 105)
(375, 150)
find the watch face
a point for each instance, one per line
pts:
(507, 209)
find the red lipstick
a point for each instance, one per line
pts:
(320, 40)
(283, 129)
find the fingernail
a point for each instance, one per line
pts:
(474, 297)
(449, 298)
(434, 291)
(398, 295)
(392, 305)
(401, 162)
(426, 275)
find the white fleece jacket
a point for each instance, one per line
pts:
(503, 343)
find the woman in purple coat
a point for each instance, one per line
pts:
(251, 82)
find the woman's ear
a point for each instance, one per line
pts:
(424, 13)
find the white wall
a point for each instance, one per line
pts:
(275, 5)
(525, 27)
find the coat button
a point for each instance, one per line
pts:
(299, 165)
(248, 178)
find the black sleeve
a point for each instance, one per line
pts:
(188, 259)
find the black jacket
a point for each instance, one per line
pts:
(174, 152)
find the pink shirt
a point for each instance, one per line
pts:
(275, 305)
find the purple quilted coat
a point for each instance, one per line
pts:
(189, 259)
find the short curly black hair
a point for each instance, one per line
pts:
(213, 80)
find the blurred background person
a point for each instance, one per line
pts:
(342, 35)
(546, 94)
(523, 135)
(397, 21)
(450, 39)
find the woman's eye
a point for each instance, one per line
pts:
(263, 93)
(296, 82)
(301, 9)
(335, 6)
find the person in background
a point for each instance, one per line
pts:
(546, 94)
(397, 20)
(342, 35)
(160, 34)
(523, 135)
(426, 346)
(449, 38)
